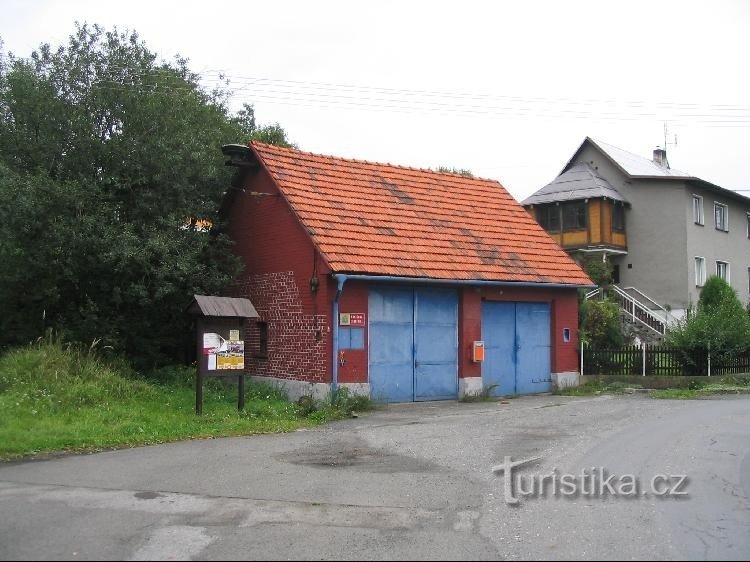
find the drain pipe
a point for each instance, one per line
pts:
(340, 280)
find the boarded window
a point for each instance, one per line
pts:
(263, 339)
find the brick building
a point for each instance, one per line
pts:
(381, 278)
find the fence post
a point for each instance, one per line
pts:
(581, 356)
(709, 363)
(643, 347)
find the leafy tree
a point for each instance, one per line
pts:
(719, 324)
(108, 157)
(600, 271)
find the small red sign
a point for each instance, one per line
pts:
(357, 319)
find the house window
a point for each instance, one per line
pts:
(618, 218)
(721, 217)
(722, 270)
(700, 272)
(263, 339)
(351, 338)
(574, 216)
(548, 217)
(698, 209)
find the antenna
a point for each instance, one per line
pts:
(666, 133)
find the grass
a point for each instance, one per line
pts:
(701, 392)
(484, 395)
(596, 387)
(696, 389)
(57, 397)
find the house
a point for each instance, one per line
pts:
(387, 280)
(663, 230)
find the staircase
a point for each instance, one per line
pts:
(646, 317)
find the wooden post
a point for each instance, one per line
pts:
(643, 346)
(709, 363)
(199, 367)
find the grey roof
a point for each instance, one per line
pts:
(580, 181)
(637, 166)
(225, 307)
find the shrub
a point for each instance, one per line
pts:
(600, 323)
(719, 325)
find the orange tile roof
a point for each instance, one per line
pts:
(382, 219)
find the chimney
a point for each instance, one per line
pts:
(660, 157)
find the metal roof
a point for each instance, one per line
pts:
(225, 307)
(637, 166)
(580, 181)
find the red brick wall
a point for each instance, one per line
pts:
(280, 260)
(564, 314)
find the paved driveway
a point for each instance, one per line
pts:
(410, 481)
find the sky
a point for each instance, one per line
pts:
(507, 90)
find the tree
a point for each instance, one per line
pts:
(719, 325)
(108, 157)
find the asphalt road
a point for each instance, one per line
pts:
(410, 481)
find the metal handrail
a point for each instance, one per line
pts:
(635, 304)
(668, 314)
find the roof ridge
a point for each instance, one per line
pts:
(372, 162)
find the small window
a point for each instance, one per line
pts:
(722, 270)
(721, 217)
(618, 218)
(574, 216)
(548, 217)
(263, 339)
(566, 335)
(700, 272)
(698, 209)
(351, 338)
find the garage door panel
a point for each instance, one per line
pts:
(413, 347)
(498, 333)
(436, 344)
(533, 365)
(393, 343)
(434, 382)
(517, 347)
(436, 306)
(392, 305)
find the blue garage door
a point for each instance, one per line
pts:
(517, 347)
(413, 344)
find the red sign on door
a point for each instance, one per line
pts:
(357, 319)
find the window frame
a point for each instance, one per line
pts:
(728, 278)
(615, 227)
(725, 207)
(549, 210)
(700, 272)
(700, 220)
(577, 205)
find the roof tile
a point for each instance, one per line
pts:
(388, 220)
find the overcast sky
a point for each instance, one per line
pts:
(506, 89)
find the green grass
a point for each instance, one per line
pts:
(596, 387)
(56, 397)
(702, 392)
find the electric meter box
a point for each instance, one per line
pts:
(477, 353)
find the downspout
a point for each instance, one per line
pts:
(340, 280)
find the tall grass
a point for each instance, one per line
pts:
(55, 396)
